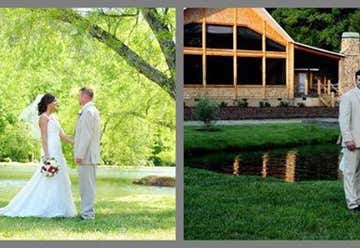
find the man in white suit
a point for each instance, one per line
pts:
(349, 120)
(87, 151)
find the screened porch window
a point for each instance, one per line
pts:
(221, 55)
(219, 70)
(192, 35)
(275, 71)
(274, 46)
(218, 36)
(249, 70)
(192, 69)
(248, 39)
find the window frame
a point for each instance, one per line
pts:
(236, 53)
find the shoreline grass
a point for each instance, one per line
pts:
(124, 211)
(225, 207)
(251, 137)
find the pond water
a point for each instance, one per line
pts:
(17, 175)
(315, 162)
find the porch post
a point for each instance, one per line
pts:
(204, 48)
(235, 54)
(264, 60)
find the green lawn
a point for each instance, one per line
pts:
(224, 207)
(250, 137)
(124, 211)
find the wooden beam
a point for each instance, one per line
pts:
(254, 54)
(287, 66)
(222, 86)
(204, 47)
(306, 85)
(291, 70)
(193, 51)
(235, 53)
(309, 50)
(264, 59)
(270, 54)
(220, 52)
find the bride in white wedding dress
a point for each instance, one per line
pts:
(46, 196)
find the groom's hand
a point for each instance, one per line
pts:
(350, 145)
(78, 160)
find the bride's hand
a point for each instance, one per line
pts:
(66, 138)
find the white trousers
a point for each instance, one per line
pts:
(87, 183)
(351, 176)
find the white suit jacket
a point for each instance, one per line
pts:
(87, 135)
(349, 116)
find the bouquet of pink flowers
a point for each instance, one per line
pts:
(50, 167)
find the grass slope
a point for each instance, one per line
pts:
(124, 211)
(226, 207)
(250, 137)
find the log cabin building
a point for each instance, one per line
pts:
(234, 54)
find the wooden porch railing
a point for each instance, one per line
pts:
(328, 93)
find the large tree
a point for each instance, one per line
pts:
(320, 27)
(100, 24)
(42, 52)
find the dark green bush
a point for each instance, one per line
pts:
(206, 110)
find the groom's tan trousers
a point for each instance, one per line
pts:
(87, 183)
(351, 175)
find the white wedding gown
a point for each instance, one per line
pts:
(45, 196)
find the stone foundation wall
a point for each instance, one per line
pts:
(236, 113)
(350, 46)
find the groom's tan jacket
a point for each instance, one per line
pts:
(349, 116)
(87, 135)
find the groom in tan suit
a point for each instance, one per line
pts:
(349, 120)
(87, 151)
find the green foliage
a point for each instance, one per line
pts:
(264, 104)
(242, 103)
(16, 145)
(283, 104)
(42, 54)
(301, 104)
(206, 110)
(223, 104)
(320, 27)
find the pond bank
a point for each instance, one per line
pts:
(256, 136)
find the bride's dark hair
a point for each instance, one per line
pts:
(44, 102)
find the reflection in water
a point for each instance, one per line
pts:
(318, 162)
(236, 166)
(290, 166)
(265, 162)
